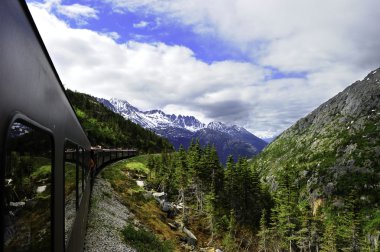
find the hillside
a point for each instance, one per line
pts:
(324, 174)
(109, 129)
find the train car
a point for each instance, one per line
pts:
(46, 160)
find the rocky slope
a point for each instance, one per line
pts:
(332, 160)
(342, 132)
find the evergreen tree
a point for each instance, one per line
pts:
(264, 233)
(182, 178)
(230, 184)
(195, 166)
(329, 237)
(304, 234)
(286, 208)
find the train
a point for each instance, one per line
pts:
(47, 163)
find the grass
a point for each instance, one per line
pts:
(144, 241)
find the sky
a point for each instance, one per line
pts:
(258, 64)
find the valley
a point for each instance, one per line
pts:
(316, 187)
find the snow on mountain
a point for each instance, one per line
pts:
(217, 126)
(152, 119)
(180, 130)
(234, 129)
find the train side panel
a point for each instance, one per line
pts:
(30, 89)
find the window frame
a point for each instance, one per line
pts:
(23, 119)
(80, 175)
(77, 201)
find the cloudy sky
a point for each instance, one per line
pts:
(259, 64)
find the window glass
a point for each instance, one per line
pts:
(71, 153)
(80, 173)
(87, 165)
(27, 189)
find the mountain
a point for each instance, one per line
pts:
(180, 130)
(152, 119)
(109, 129)
(324, 173)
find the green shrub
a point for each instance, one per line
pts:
(144, 241)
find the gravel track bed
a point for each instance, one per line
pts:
(107, 217)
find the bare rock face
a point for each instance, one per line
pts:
(356, 102)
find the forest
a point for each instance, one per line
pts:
(240, 211)
(228, 202)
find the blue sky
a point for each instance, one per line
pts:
(150, 28)
(261, 65)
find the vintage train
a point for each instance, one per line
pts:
(46, 160)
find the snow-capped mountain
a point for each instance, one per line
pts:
(180, 130)
(153, 119)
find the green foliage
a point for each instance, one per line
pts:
(109, 129)
(329, 238)
(144, 241)
(42, 172)
(70, 177)
(264, 233)
(138, 167)
(373, 225)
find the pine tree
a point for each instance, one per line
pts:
(329, 237)
(348, 225)
(304, 235)
(286, 208)
(229, 237)
(182, 178)
(230, 184)
(264, 233)
(194, 167)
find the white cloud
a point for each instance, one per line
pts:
(113, 35)
(292, 35)
(141, 24)
(332, 44)
(77, 12)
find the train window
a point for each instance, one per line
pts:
(71, 153)
(27, 189)
(86, 167)
(80, 173)
(92, 161)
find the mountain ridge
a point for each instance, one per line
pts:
(180, 130)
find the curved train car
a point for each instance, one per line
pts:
(46, 159)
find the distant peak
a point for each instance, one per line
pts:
(122, 105)
(217, 125)
(113, 100)
(155, 111)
